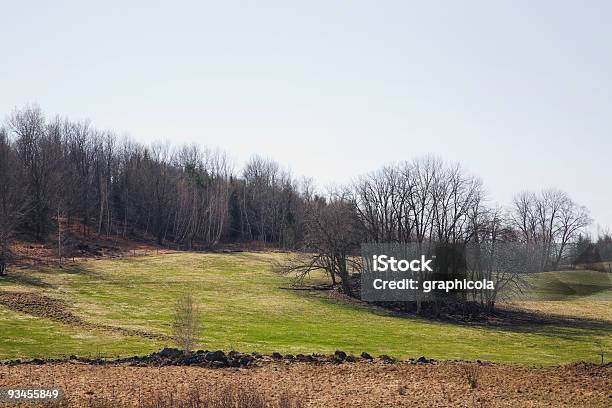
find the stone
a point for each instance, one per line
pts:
(387, 359)
(340, 355)
(218, 356)
(170, 352)
(366, 356)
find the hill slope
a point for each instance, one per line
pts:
(124, 306)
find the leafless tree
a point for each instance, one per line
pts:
(72, 176)
(269, 203)
(77, 174)
(331, 243)
(38, 156)
(186, 323)
(13, 200)
(549, 220)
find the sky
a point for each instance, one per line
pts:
(519, 92)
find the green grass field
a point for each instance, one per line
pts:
(245, 307)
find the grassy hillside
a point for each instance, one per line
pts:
(245, 307)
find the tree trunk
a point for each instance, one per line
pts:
(344, 276)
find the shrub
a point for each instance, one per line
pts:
(230, 397)
(471, 373)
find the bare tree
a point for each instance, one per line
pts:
(186, 324)
(71, 173)
(549, 220)
(37, 154)
(331, 243)
(572, 220)
(12, 198)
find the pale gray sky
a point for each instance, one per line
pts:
(519, 91)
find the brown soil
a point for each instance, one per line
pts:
(363, 384)
(28, 255)
(38, 305)
(78, 246)
(80, 242)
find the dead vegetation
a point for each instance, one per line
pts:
(38, 305)
(230, 396)
(471, 373)
(35, 304)
(283, 385)
(77, 247)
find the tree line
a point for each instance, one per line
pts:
(442, 208)
(61, 172)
